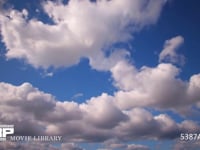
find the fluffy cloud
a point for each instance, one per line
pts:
(103, 118)
(158, 87)
(169, 52)
(77, 33)
(74, 35)
(107, 115)
(23, 99)
(97, 120)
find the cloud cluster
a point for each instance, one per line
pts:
(77, 33)
(97, 120)
(157, 87)
(87, 33)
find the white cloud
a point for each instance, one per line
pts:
(106, 115)
(158, 87)
(78, 95)
(77, 33)
(97, 120)
(169, 53)
(86, 33)
(143, 124)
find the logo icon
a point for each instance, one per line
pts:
(6, 130)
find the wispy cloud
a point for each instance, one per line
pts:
(169, 53)
(78, 95)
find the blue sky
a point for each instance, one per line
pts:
(111, 74)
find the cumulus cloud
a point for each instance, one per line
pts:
(107, 115)
(97, 120)
(74, 35)
(77, 33)
(158, 87)
(119, 117)
(169, 53)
